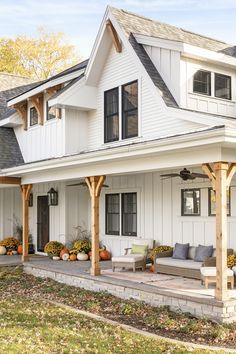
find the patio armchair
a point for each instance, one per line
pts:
(133, 260)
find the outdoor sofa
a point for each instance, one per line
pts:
(165, 264)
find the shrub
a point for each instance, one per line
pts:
(11, 243)
(53, 248)
(231, 260)
(82, 246)
(160, 249)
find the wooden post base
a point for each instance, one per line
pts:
(25, 258)
(95, 271)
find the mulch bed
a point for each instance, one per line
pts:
(158, 320)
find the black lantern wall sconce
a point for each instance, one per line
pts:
(52, 197)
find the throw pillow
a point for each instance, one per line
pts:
(181, 251)
(141, 249)
(202, 253)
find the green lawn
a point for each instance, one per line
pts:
(30, 324)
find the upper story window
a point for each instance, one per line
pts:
(111, 110)
(33, 116)
(223, 86)
(130, 110)
(53, 112)
(202, 82)
(125, 97)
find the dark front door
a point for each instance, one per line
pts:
(42, 222)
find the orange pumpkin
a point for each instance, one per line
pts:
(20, 249)
(63, 251)
(73, 257)
(105, 255)
(151, 269)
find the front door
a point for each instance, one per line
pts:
(42, 222)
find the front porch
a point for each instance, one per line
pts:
(180, 294)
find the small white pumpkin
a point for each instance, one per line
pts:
(65, 257)
(55, 258)
(14, 253)
(3, 250)
(82, 256)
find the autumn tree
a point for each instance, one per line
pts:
(39, 57)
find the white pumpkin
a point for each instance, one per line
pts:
(65, 257)
(82, 256)
(3, 250)
(14, 253)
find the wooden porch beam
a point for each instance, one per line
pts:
(38, 102)
(10, 180)
(52, 90)
(210, 173)
(95, 184)
(25, 193)
(115, 39)
(22, 111)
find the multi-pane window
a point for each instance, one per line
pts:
(190, 202)
(33, 116)
(130, 110)
(223, 86)
(202, 82)
(125, 97)
(112, 214)
(53, 112)
(212, 202)
(121, 214)
(111, 101)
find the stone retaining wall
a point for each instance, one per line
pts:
(210, 308)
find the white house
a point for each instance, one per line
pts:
(152, 99)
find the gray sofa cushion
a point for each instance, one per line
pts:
(191, 252)
(181, 251)
(179, 263)
(202, 253)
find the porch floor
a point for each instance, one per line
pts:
(146, 280)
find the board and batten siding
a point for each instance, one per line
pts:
(204, 103)
(10, 208)
(42, 142)
(159, 212)
(167, 62)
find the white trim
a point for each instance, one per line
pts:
(44, 86)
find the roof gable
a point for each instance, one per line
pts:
(10, 154)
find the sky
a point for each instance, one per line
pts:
(80, 19)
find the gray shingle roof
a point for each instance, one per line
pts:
(10, 154)
(153, 72)
(7, 95)
(133, 23)
(9, 81)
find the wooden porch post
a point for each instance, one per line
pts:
(221, 176)
(95, 185)
(25, 192)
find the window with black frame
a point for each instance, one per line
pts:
(130, 110)
(112, 214)
(33, 116)
(111, 113)
(190, 202)
(212, 202)
(53, 112)
(129, 214)
(202, 82)
(223, 86)
(124, 214)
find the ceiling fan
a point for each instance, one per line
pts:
(185, 175)
(84, 184)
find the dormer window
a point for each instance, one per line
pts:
(33, 116)
(223, 86)
(202, 82)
